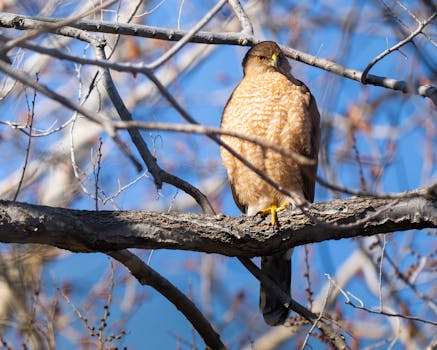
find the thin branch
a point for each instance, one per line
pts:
(147, 276)
(159, 175)
(35, 132)
(427, 299)
(336, 339)
(319, 318)
(10, 20)
(20, 22)
(26, 80)
(187, 37)
(98, 118)
(78, 313)
(380, 272)
(419, 29)
(207, 130)
(78, 173)
(238, 9)
(412, 15)
(348, 301)
(123, 188)
(306, 275)
(96, 170)
(353, 74)
(30, 119)
(51, 26)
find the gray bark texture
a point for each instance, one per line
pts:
(89, 231)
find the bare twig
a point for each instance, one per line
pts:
(314, 325)
(381, 306)
(35, 132)
(78, 174)
(106, 313)
(187, 37)
(429, 301)
(207, 130)
(96, 170)
(238, 9)
(123, 188)
(98, 118)
(30, 118)
(51, 26)
(147, 276)
(157, 172)
(307, 277)
(409, 38)
(25, 22)
(336, 339)
(348, 301)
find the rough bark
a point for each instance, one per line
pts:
(87, 231)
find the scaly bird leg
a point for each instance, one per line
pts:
(273, 211)
(283, 206)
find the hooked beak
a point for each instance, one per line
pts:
(274, 61)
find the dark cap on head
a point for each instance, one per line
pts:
(264, 48)
(265, 56)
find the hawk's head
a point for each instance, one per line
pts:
(265, 56)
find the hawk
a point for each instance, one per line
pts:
(271, 104)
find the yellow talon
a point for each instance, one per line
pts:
(283, 206)
(273, 211)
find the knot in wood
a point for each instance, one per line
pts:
(18, 22)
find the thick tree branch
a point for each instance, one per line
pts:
(87, 231)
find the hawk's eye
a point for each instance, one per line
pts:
(260, 58)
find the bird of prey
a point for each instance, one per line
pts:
(271, 104)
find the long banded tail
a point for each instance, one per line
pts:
(278, 268)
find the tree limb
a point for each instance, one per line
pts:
(159, 174)
(147, 276)
(88, 231)
(337, 340)
(10, 20)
